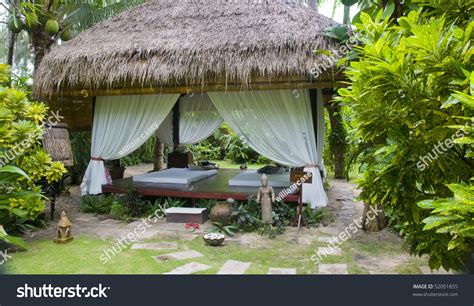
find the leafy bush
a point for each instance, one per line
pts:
(245, 217)
(8, 178)
(404, 93)
(118, 212)
(98, 204)
(218, 227)
(314, 217)
(21, 132)
(81, 150)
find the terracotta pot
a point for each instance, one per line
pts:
(221, 212)
(116, 173)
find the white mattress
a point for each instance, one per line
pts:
(175, 176)
(251, 178)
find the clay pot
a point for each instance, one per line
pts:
(116, 173)
(221, 212)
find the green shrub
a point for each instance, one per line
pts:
(98, 204)
(117, 210)
(21, 131)
(405, 92)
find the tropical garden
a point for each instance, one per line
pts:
(400, 129)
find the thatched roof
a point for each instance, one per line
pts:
(171, 42)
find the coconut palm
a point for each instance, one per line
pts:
(47, 21)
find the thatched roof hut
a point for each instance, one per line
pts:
(183, 45)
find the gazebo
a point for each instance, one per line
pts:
(197, 62)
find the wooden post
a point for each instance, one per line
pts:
(176, 116)
(159, 147)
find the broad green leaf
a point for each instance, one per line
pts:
(389, 9)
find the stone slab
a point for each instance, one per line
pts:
(234, 267)
(179, 255)
(326, 239)
(155, 246)
(329, 251)
(282, 271)
(189, 268)
(333, 269)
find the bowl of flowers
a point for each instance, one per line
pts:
(214, 239)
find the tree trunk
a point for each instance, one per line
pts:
(373, 218)
(159, 148)
(11, 48)
(337, 141)
(41, 42)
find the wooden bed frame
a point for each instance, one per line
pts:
(215, 187)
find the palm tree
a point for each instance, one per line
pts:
(48, 21)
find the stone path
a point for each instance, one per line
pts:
(326, 239)
(281, 271)
(329, 251)
(234, 267)
(333, 269)
(179, 255)
(189, 268)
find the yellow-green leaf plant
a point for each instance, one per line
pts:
(21, 132)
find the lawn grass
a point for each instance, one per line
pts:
(82, 256)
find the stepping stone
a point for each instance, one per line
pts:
(330, 231)
(333, 251)
(281, 271)
(178, 256)
(333, 269)
(234, 267)
(326, 239)
(110, 221)
(155, 246)
(427, 270)
(189, 268)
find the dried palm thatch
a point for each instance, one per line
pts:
(172, 42)
(57, 143)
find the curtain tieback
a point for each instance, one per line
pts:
(97, 158)
(311, 166)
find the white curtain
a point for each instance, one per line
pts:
(165, 131)
(277, 124)
(198, 120)
(121, 125)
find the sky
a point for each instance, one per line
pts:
(325, 9)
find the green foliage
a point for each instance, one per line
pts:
(8, 177)
(454, 216)
(270, 230)
(118, 212)
(229, 230)
(132, 202)
(314, 217)
(246, 217)
(144, 154)
(81, 150)
(21, 132)
(11, 239)
(225, 144)
(404, 92)
(98, 204)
